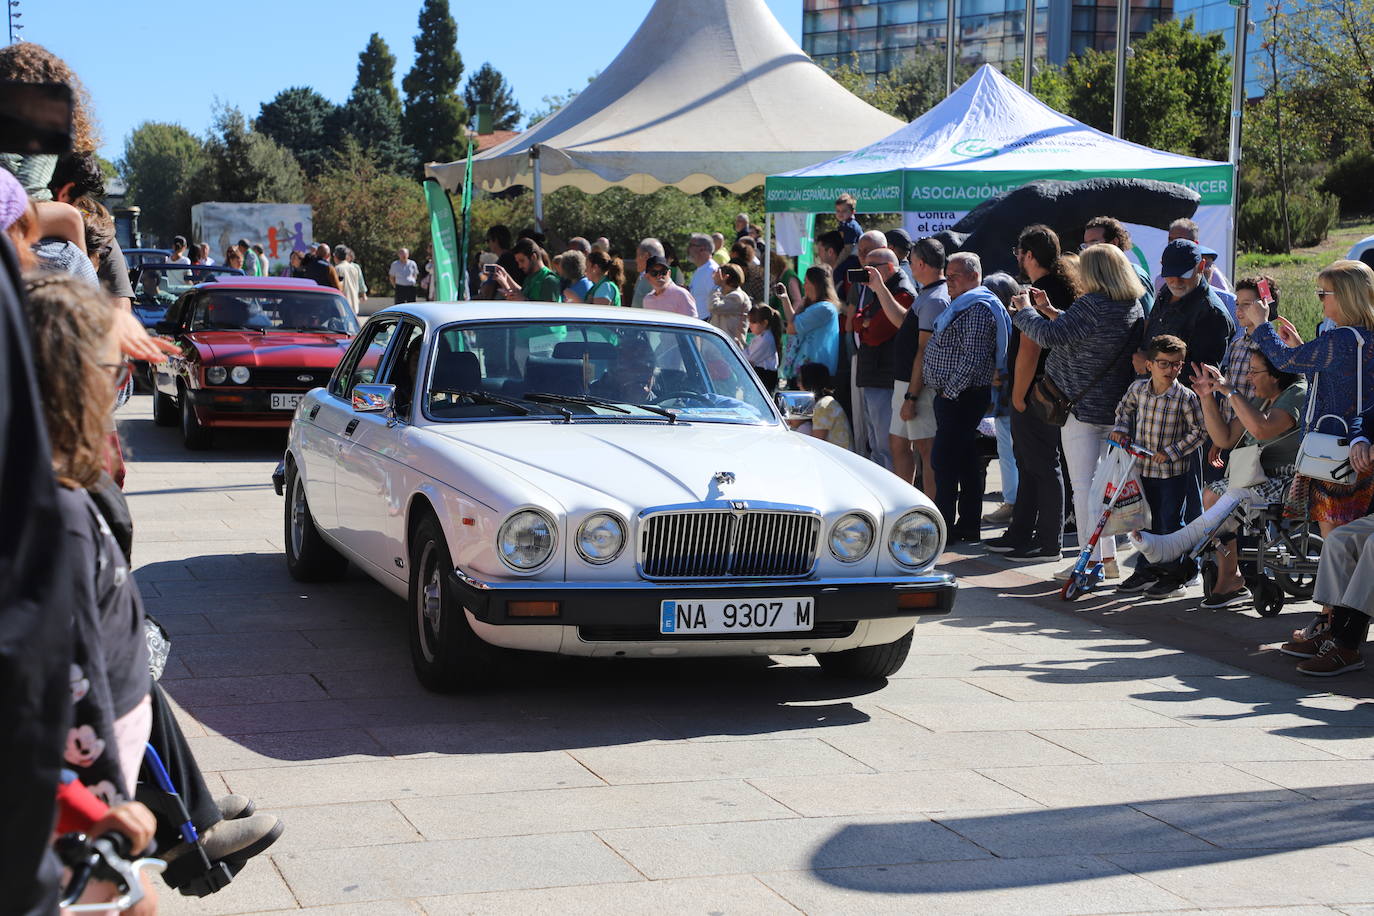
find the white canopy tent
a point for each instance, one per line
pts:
(712, 92)
(988, 137)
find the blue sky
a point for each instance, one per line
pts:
(169, 61)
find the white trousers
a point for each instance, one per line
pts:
(1345, 573)
(1084, 446)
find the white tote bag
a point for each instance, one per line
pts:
(1326, 456)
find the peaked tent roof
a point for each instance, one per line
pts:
(713, 92)
(988, 136)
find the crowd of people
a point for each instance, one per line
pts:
(80, 706)
(916, 358)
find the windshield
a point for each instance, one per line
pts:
(591, 369)
(164, 284)
(267, 310)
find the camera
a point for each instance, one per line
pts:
(779, 289)
(857, 275)
(489, 270)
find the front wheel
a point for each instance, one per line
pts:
(309, 558)
(164, 409)
(867, 663)
(193, 435)
(447, 655)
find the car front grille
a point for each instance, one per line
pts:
(830, 629)
(280, 379)
(711, 544)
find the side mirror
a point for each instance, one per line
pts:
(795, 405)
(375, 399)
(166, 328)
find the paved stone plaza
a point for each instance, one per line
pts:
(1032, 757)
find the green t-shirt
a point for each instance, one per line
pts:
(605, 289)
(1282, 450)
(542, 286)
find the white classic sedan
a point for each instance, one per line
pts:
(602, 482)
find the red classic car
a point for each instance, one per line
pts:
(251, 347)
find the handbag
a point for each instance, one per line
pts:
(1048, 403)
(1243, 469)
(1326, 456)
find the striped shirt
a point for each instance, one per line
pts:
(1170, 423)
(1236, 368)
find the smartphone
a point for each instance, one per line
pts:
(1262, 287)
(857, 275)
(779, 289)
(35, 118)
(489, 270)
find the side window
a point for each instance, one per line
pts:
(197, 311)
(360, 363)
(404, 369)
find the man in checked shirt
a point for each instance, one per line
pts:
(1163, 416)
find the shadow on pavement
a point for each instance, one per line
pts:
(1040, 847)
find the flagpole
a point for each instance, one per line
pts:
(467, 219)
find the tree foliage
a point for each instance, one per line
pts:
(487, 86)
(162, 166)
(1328, 48)
(359, 204)
(551, 103)
(247, 166)
(377, 72)
(434, 113)
(298, 119)
(1178, 90)
(909, 89)
(371, 121)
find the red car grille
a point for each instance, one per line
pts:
(288, 379)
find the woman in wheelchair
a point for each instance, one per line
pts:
(1268, 421)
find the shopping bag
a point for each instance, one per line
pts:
(1131, 512)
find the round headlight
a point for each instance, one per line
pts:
(851, 538)
(239, 375)
(915, 539)
(216, 375)
(601, 538)
(525, 541)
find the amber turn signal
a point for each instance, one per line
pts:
(911, 601)
(532, 608)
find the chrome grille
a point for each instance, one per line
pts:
(712, 543)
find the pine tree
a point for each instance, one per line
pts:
(488, 86)
(296, 118)
(434, 114)
(370, 121)
(377, 71)
(247, 166)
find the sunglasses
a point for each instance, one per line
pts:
(1323, 293)
(659, 272)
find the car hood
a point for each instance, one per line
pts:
(639, 465)
(274, 348)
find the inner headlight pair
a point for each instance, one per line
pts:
(526, 541)
(217, 375)
(914, 541)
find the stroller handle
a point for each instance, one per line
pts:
(1133, 449)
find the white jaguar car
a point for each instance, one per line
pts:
(601, 482)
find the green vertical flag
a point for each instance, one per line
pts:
(808, 237)
(444, 236)
(466, 248)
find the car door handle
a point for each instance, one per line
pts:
(352, 425)
(310, 414)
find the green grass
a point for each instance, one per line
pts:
(1295, 274)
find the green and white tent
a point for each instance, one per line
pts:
(988, 137)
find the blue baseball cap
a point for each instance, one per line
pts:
(1180, 259)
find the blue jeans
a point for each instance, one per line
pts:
(1006, 459)
(877, 419)
(1168, 498)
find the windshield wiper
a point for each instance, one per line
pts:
(590, 401)
(237, 327)
(486, 397)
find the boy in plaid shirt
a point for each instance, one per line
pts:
(1162, 415)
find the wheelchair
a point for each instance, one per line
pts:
(1277, 554)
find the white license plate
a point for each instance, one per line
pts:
(286, 401)
(752, 615)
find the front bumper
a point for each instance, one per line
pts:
(637, 604)
(241, 407)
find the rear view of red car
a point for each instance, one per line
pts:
(251, 347)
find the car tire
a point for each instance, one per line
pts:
(194, 436)
(447, 655)
(309, 557)
(867, 663)
(165, 409)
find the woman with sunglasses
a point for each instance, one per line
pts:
(1342, 363)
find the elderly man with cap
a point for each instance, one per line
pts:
(900, 242)
(1188, 308)
(664, 294)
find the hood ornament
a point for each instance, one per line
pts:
(724, 477)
